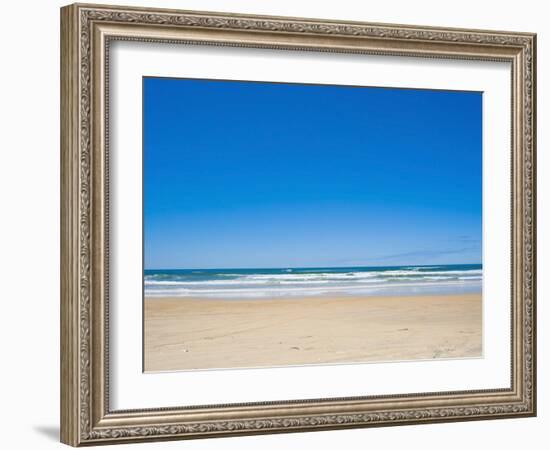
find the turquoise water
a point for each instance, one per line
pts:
(314, 281)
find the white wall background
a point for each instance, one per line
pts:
(29, 224)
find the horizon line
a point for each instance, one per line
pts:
(313, 267)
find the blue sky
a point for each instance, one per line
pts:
(257, 175)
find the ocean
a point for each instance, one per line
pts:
(314, 281)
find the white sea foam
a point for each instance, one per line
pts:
(304, 282)
(402, 289)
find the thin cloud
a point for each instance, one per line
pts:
(424, 253)
(467, 239)
(432, 254)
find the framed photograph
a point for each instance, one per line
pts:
(275, 224)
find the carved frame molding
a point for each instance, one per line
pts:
(86, 31)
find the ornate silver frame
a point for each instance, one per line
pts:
(86, 31)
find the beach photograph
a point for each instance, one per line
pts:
(290, 224)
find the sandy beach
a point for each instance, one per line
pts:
(203, 333)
